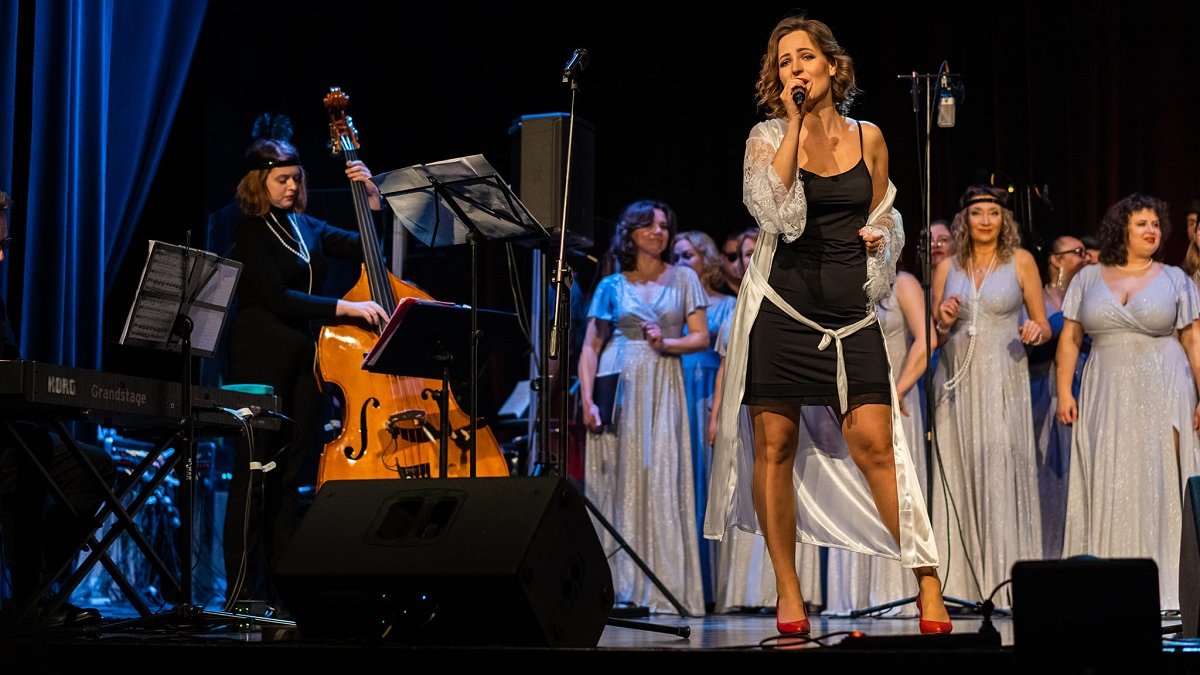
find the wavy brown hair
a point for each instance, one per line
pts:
(1008, 241)
(1113, 232)
(637, 215)
(252, 196)
(712, 270)
(769, 88)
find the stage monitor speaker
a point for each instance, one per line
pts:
(540, 145)
(448, 561)
(1189, 560)
(1086, 607)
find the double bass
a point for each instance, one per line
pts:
(392, 425)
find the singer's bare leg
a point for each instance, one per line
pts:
(868, 432)
(775, 440)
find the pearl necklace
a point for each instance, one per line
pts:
(1126, 268)
(277, 228)
(972, 327)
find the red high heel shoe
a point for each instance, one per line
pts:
(931, 627)
(801, 627)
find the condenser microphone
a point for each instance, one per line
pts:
(798, 97)
(575, 64)
(946, 116)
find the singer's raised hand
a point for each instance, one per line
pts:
(795, 92)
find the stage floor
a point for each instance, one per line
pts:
(653, 642)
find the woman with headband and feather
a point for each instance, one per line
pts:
(283, 251)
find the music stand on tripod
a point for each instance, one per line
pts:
(184, 293)
(421, 339)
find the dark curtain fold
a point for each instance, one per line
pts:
(8, 89)
(106, 81)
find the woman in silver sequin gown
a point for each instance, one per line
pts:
(856, 581)
(982, 408)
(1135, 441)
(638, 470)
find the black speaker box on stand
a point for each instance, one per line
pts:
(448, 561)
(540, 149)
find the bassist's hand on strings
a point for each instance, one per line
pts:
(358, 171)
(366, 310)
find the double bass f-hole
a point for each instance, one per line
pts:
(351, 452)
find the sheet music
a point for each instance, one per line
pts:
(210, 282)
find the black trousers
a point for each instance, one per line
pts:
(40, 533)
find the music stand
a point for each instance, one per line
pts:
(421, 339)
(181, 305)
(459, 201)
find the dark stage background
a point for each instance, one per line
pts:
(1085, 102)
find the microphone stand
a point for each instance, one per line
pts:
(559, 349)
(920, 85)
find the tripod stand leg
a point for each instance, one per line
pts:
(682, 631)
(632, 554)
(968, 604)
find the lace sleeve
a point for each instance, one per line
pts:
(881, 265)
(777, 209)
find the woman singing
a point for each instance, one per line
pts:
(805, 334)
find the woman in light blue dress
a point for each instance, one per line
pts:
(982, 410)
(1135, 421)
(638, 468)
(1067, 257)
(698, 251)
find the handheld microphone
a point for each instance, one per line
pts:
(575, 64)
(798, 97)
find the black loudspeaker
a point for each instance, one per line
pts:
(1189, 560)
(540, 170)
(1086, 607)
(448, 561)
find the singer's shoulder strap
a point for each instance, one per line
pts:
(860, 139)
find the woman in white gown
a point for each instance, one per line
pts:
(982, 411)
(638, 468)
(1135, 422)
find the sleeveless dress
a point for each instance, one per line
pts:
(834, 504)
(821, 275)
(985, 440)
(638, 471)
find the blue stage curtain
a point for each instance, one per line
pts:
(106, 79)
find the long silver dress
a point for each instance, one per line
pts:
(1125, 489)
(985, 441)
(745, 579)
(1053, 438)
(855, 581)
(699, 379)
(638, 471)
